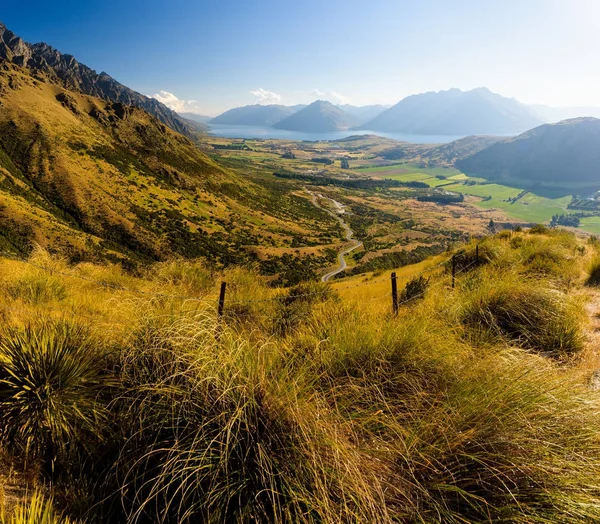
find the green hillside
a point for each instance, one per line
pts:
(554, 159)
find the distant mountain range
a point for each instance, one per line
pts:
(559, 159)
(456, 112)
(255, 115)
(66, 71)
(318, 117)
(201, 119)
(451, 112)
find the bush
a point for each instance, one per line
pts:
(50, 377)
(295, 308)
(414, 288)
(539, 229)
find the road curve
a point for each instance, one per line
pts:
(349, 234)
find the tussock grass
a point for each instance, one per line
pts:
(522, 313)
(320, 407)
(38, 510)
(593, 278)
(36, 289)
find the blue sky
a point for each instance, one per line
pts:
(209, 56)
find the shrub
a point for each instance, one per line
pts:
(539, 229)
(50, 376)
(415, 288)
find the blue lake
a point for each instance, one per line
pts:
(271, 132)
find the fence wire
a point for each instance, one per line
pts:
(211, 301)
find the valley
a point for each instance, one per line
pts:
(354, 304)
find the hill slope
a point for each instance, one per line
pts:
(254, 115)
(318, 117)
(93, 179)
(67, 71)
(455, 112)
(563, 158)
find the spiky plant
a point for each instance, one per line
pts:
(50, 377)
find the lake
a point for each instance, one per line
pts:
(271, 132)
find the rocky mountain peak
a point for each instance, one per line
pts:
(71, 74)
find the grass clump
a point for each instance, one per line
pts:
(524, 314)
(36, 289)
(214, 432)
(593, 278)
(37, 510)
(50, 377)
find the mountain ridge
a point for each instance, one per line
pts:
(255, 115)
(318, 117)
(66, 70)
(455, 112)
(563, 158)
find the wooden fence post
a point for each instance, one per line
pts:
(453, 269)
(221, 300)
(394, 294)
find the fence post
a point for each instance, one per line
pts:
(394, 294)
(221, 300)
(453, 269)
(477, 254)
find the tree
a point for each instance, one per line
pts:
(491, 226)
(345, 164)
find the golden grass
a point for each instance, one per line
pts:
(314, 404)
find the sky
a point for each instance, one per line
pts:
(208, 56)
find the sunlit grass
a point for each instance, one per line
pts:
(314, 404)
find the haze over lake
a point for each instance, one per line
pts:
(271, 132)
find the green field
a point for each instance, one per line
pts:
(412, 168)
(591, 224)
(496, 191)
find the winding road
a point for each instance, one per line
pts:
(337, 214)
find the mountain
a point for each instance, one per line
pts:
(556, 114)
(456, 112)
(363, 114)
(254, 115)
(561, 158)
(318, 117)
(97, 180)
(65, 70)
(201, 119)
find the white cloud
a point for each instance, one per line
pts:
(174, 103)
(263, 96)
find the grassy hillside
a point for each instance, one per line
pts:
(312, 404)
(554, 159)
(103, 181)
